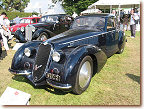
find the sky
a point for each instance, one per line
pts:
(35, 5)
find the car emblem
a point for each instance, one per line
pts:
(37, 67)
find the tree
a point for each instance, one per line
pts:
(10, 5)
(77, 6)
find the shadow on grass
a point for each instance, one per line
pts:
(134, 77)
(45, 87)
(3, 55)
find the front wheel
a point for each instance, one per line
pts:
(84, 75)
(43, 36)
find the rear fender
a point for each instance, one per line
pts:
(76, 57)
(122, 39)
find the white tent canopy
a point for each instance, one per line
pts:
(107, 4)
(55, 9)
(90, 11)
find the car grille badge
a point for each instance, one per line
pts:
(37, 67)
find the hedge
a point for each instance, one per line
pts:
(12, 15)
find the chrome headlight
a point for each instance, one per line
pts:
(56, 56)
(27, 52)
(22, 29)
(33, 29)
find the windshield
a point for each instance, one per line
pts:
(25, 21)
(90, 23)
(49, 19)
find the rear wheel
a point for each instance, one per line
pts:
(43, 36)
(84, 74)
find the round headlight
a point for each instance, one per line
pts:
(33, 30)
(56, 56)
(27, 52)
(22, 29)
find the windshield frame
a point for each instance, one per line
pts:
(25, 21)
(91, 25)
(50, 17)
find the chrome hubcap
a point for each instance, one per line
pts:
(122, 50)
(85, 73)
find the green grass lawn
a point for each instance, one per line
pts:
(118, 83)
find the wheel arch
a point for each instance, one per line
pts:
(41, 30)
(98, 56)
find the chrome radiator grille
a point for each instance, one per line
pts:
(41, 62)
(28, 33)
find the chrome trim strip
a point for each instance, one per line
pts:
(85, 38)
(19, 73)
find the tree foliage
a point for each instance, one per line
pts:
(76, 5)
(10, 5)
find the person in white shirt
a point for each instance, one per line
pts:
(7, 25)
(2, 29)
(132, 24)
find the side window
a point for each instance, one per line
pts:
(38, 19)
(62, 19)
(111, 23)
(33, 21)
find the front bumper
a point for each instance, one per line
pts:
(65, 87)
(19, 72)
(61, 86)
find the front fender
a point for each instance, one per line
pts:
(19, 36)
(19, 58)
(41, 30)
(76, 57)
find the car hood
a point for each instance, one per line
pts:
(42, 24)
(71, 35)
(20, 25)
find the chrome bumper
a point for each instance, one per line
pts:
(19, 72)
(59, 85)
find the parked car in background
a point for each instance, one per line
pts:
(69, 60)
(23, 23)
(48, 26)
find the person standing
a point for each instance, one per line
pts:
(17, 20)
(122, 20)
(2, 29)
(132, 24)
(7, 25)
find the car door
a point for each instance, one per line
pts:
(111, 36)
(33, 21)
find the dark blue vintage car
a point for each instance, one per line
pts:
(69, 60)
